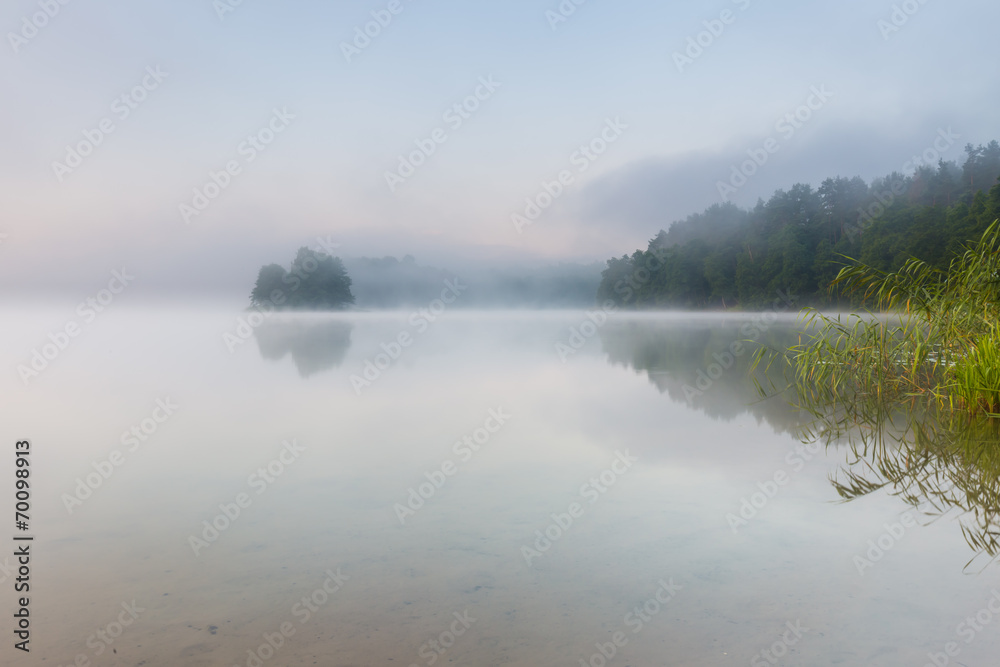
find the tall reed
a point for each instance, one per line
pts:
(927, 334)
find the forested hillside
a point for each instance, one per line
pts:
(730, 257)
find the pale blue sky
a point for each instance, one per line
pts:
(325, 173)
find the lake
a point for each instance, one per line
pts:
(474, 488)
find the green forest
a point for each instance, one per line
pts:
(797, 241)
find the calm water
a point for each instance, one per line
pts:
(634, 453)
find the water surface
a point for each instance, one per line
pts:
(645, 434)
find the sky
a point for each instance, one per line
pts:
(597, 122)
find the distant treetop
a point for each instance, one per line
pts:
(316, 281)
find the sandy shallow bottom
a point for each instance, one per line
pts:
(402, 589)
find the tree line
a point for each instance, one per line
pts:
(798, 240)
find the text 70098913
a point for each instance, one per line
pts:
(22, 547)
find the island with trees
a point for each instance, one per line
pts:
(316, 281)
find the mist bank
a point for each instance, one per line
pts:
(387, 282)
(317, 281)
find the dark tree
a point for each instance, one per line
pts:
(316, 281)
(270, 287)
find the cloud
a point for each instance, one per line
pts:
(640, 198)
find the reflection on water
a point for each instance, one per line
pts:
(936, 463)
(705, 363)
(315, 346)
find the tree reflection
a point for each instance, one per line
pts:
(315, 346)
(697, 362)
(935, 461)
